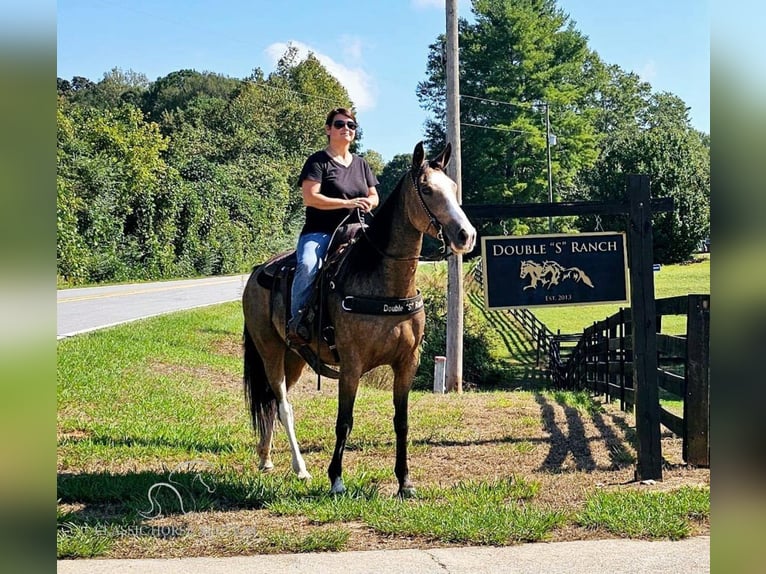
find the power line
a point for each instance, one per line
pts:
(525, 105)
(497, 128)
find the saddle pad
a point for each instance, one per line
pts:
(271, 269)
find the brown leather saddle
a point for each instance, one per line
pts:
(277, 276)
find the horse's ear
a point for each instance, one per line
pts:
(417, 156)
(443, 158)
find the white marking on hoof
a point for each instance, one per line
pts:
(266, 466)
(338, 487)
(304, 475)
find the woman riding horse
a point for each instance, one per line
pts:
(378, 271)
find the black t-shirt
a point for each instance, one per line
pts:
(336, 180)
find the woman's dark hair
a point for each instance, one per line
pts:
(342, 111)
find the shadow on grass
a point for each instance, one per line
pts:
(108, 497)
(562, 444)
(184, 445)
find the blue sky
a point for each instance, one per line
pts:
(377, 49)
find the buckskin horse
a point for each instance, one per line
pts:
(372, 304)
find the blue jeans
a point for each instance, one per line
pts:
(311, 249)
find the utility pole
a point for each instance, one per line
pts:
(454, 370)
(548, 151)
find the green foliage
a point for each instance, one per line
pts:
(652, 135)
(116, 88)
(519, 55)
(193, 174)
(480, 343)
(392, 173)
(115, 220)
(522, 58)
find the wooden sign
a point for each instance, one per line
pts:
(557, 269)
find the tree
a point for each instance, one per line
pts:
(115, 88)
(392, 173)
(520, 58)
(375, 161)
(115, 209)
(516, 58)
(651, 134)
(201, 180)
(178, 90)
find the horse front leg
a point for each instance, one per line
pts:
(347, 388)
(402, 383)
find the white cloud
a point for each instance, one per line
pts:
(648, 72)
(352, 47)
(359, 84)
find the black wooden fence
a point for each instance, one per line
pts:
(526, 319)
(638, 206)
(602, 362)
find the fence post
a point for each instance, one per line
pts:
(439, 374)
(623, 358)
(641, 255)
(612, 359)
(696, 447)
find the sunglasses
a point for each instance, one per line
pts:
(339, 124)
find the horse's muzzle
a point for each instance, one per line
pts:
(463, 239)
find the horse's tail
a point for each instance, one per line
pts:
(258, 393)
(585, 279)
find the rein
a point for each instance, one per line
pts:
(433, 221)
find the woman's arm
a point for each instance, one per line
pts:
(313, 198)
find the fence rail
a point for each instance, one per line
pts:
(602, 362)
(600, 359)
(526, 319)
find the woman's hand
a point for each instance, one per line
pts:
(364, 203)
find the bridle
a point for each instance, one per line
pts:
(433, 221)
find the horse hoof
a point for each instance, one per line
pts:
(304, 475)
(338, 487)
(407, 492)
(266, 466)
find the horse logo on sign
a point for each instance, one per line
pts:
(550, 273)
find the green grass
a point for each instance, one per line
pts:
(647, 514)
(496, 512)
(478, 512)
(139, 402)
(81, 541)
(326, 540)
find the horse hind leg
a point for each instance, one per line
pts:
(287, 418)
(293, 369)
(269, 401)
(261, 401)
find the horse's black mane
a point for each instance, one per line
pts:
(367, 253)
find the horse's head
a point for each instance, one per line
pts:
(436, 211)
(525, 269)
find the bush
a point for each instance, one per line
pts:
(480, 368)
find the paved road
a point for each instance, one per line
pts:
(90, 308)
(691, 556)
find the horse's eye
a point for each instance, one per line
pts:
(425, 189)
